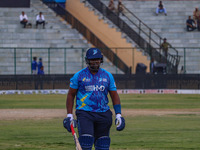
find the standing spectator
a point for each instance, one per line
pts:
(40, 77)
(40, 20)
(190, 24)
(41, 70)
(152, 65)
(40, 64)
(23, 19)
(91, 86)
(196, 14)
(111, 5)
(161, 9)
(120, 7)
(164, 46)
(34, 65)
(198, 23)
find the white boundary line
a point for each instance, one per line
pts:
(120, 91)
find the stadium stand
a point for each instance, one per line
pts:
(172, 26)
(48, 43)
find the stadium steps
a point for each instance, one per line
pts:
(172, 26)
(57, 34)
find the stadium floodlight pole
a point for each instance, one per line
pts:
(78, 146)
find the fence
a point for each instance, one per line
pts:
(70, 60)
(55, 60)
(190, 62)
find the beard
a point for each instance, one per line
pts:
(94, 68)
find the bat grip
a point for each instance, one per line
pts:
(72, 128)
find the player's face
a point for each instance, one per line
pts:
(94, 64)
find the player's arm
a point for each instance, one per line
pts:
(119, 121)
(69, 105)
(115, 98)
(70, 100)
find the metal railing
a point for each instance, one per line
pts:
(55, 60)
(88, 35)
(70, 60)
(172, 59)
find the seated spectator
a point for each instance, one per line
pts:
(196, 14)
(190, 24)
(23, 19)
(161, 9)
(40, 20)
(120, 7)
(111, 5)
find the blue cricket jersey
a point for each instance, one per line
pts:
(34, 65)
(92, 90)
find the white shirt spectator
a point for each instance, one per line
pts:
(22, 17)
(40, 18)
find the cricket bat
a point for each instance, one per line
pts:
(78, 146)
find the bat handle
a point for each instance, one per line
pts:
(72, 128)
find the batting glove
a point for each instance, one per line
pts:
(68, 121)
(120, 122)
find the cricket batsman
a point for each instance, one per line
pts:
(91, 86)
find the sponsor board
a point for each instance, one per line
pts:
(120, 91)
(59, 91)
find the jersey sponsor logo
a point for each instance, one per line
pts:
(102, 79)
(86, 80)
(94, 88)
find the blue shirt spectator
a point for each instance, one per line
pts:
(190, 24)
(34, 65)
(41, 71)
(40, 64)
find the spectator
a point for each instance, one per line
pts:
(164, 46)
(190, 24)
(40, 20)
(161, 9)
(198, 23)
(40, 64)
(23, 19)
(152, 65)
(111, 5)
(34, 65)
(120, 7)
(41, 70)
(196, 14)
(40, 78)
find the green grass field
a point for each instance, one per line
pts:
(143, 132)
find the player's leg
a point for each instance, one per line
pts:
(85, 129)
(102, 130)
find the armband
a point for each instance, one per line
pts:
(117, 108)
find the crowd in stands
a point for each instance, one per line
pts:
(193, 23)
(26, 23)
